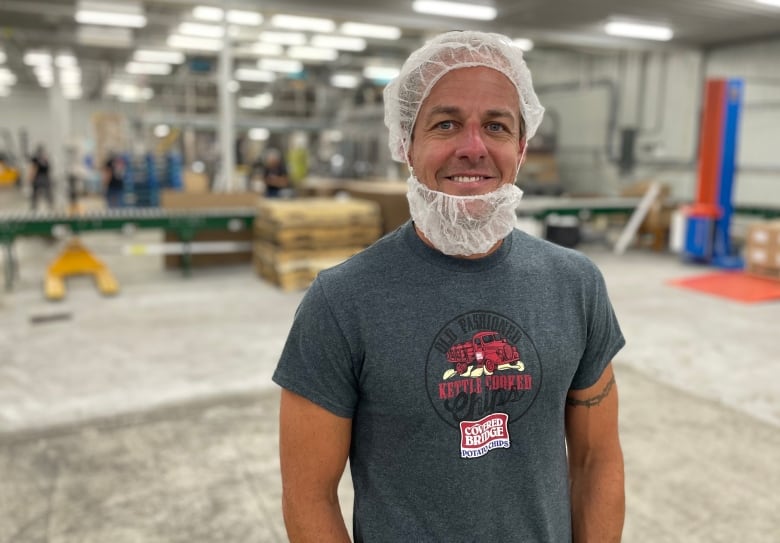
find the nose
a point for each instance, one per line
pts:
(471, 143)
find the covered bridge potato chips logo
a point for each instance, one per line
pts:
(482, 374)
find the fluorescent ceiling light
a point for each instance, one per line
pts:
(123, 14)
(148, 68)
(233, 86)
(7, 77)
(455, 9)
(345, 81)
(380, 73)
(37, 58)
(260, 101)
(246, 18)
(641, 31)
(110, 19)
(259, 134)
(70, 77)
(135, 94)
(523, 43)
(158, 55)
(775, 3)
(261, 49)
(189, 42)
(294, 22)
(304, 52)
(283, 38)
(234, 16)
(45, 76)
(207, 13)
(344, 43)
(201, 30)
(102, 36)
(161, 130)
(127, 92)
(251, 74)
(65, 60)
(383, 32)
(288, 66)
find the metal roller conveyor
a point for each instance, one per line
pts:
(77, 259)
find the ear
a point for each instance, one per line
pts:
(521, 149)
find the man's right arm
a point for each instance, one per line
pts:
(314, 447)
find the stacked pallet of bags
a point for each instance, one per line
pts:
(296, 239)
(762, 253)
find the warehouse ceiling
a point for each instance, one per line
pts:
(569, 24)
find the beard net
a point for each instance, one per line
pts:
(463, 225)
(449, 51)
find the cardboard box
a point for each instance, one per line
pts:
(762, 251)
(764, 256)
(173, 199)
(317, 212)
(170, 199)
(764, 234)
(195, 182)
(390, 196)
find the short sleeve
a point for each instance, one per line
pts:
(316, 362)
(604, 337)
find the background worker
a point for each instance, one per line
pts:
(40, 179)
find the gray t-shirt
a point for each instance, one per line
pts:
(455, 374)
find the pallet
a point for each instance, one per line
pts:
(763, 272)
(290, 281)
(307, 212)
(307, 237)
(296, 269)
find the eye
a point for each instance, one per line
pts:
(496, 127)
(445, 125)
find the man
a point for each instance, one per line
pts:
(40, 179)
(113, 180)
(275, 174)
(456, 360)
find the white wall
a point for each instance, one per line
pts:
(659, 94)
(592, 97)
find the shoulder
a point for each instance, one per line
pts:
(544, 255)
(374, 266)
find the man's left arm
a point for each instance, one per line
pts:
(595, 462)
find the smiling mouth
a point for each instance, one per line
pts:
(467, 178)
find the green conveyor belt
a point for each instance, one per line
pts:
(184, 223)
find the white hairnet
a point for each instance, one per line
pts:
(404, 95)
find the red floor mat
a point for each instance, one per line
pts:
(733, 285)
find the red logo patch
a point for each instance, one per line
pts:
(479, 437)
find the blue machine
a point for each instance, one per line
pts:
(708, 220)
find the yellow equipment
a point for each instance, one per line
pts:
(75, 259)
(8, 175)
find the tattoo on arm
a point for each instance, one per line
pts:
(595, 400)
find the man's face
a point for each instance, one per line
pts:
(466, 140)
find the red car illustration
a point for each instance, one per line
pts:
(485, 349)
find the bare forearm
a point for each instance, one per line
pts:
(598, 502)
(314, 521)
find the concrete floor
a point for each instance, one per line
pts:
(151, 417)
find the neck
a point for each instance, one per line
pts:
(476, 256)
